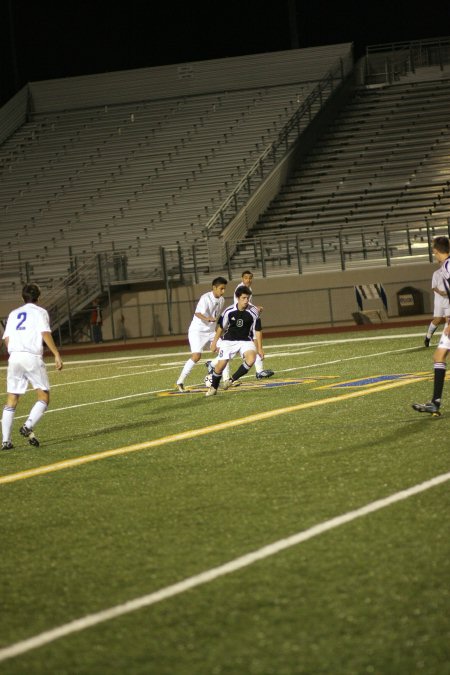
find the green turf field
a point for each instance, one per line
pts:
(233, 525)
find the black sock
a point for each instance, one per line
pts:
(215, 379)
(242, 370)
(439, 378)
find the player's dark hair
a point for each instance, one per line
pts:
(441, 244)
(219, 280)
(242, 290)
(246, 272)
(30, 292)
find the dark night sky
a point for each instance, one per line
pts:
(45, 39)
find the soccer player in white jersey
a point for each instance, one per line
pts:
(261, 372)
(239, 328)
(26, 329)
(203, 325)
(441, 305)
(441, 251)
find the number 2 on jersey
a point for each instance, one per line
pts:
(22, 316)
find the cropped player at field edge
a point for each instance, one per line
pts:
(441, 305)
(239, 328)
(441, 251)
(26, 329)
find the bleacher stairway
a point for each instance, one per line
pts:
(383, 162)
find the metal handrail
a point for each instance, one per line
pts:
(269, 155)
(385, 63)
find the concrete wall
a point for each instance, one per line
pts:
(297, 300)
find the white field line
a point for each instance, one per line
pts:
(91, 620)
(350, 358)
(160, 391)
(87, 362)
(169, 366)
(114, 377)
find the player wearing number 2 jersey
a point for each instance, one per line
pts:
(26, 329)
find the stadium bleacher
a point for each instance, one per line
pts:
(126, 178)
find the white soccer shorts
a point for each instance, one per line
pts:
(198, 340)
(441, 306)
(444, 342)
(23, 369)
(229, 348)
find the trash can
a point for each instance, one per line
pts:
(409, 301)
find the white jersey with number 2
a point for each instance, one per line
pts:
(24, 329)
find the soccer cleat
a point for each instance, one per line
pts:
(430, 407)
(210, 367)
(211, 392)
(426, 342)
(264, 373)
(228, 383)
(7, 445)
(180, 387)
(28, 433)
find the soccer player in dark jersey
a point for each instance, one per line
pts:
(261, 372)
(239, 326)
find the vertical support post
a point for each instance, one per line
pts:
(341, 251)
(324, 257)
(113, 332)
(69, 318)
(386, 244)
(98, 263)
(263, 260)
(180, 262)
(194, 262)
(228, 259)
(430, 242)
(167, 285)
(408, 236)
(299, 254)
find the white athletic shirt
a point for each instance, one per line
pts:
(24, 329)
(208, 305)
(438, 280)
(445, 271)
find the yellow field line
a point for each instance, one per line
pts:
(194, 433)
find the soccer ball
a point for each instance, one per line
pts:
(208, 380)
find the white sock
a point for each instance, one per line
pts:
(431, 330)
(226, 372)
(7, 422)
(36, 413)
(186, 370)
(259, 364)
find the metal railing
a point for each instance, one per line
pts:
(278, 148)
(333, 249)
(387, 63)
